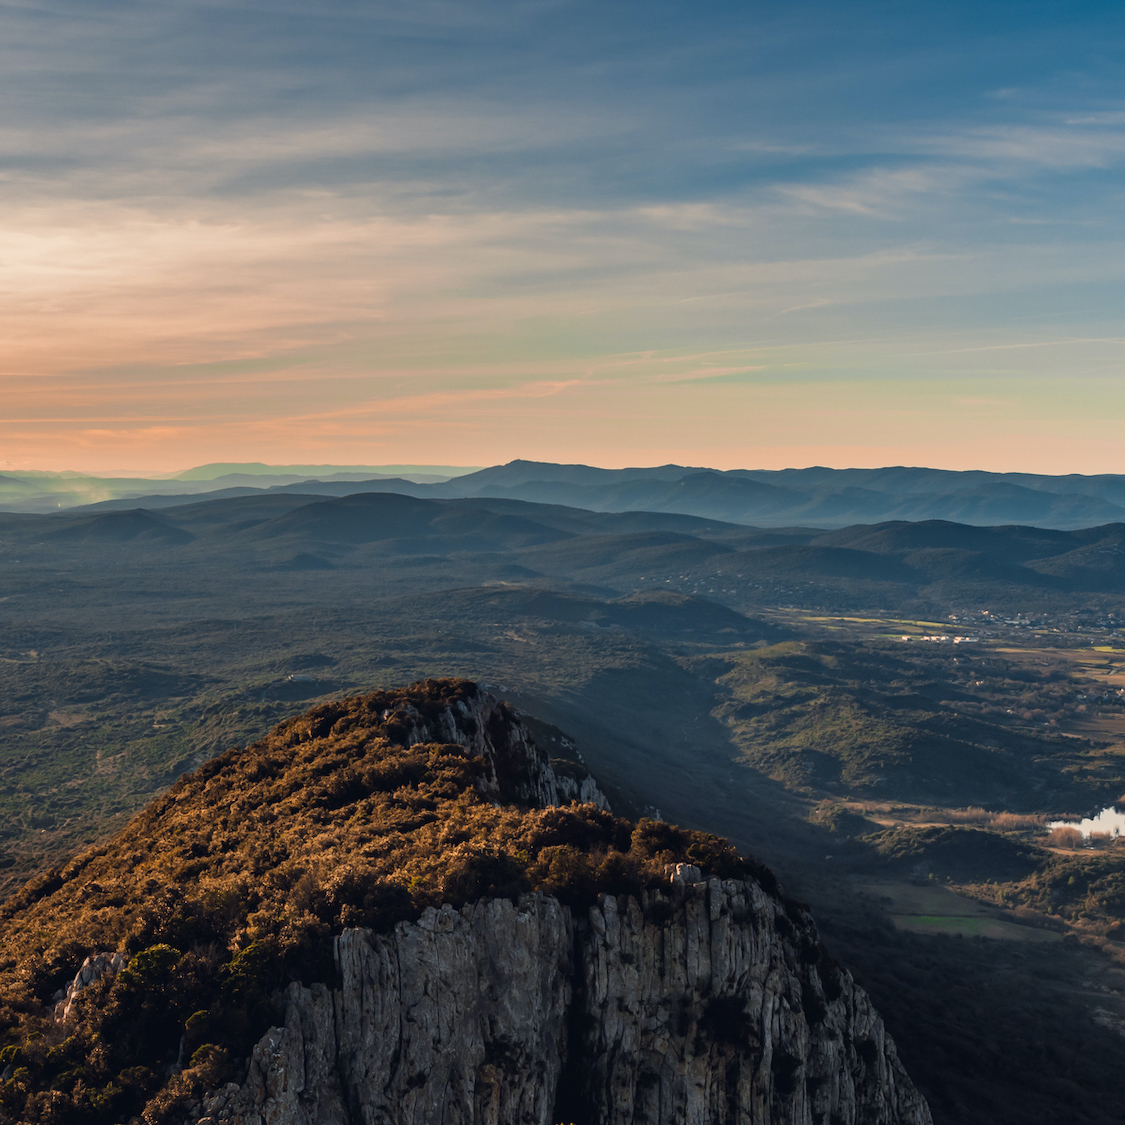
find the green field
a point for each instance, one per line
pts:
(940, 910)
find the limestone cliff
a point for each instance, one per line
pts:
(708, 1003)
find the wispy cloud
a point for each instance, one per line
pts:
(879, 193)
(282, 221)
(1073, 144)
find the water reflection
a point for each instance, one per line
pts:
(1110, 821)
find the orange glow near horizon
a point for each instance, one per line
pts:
(136, 344)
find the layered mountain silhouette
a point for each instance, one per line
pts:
(812, 497)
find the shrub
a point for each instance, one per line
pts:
(1064, 838)
(150, 970)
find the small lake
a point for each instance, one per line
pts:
(1109, 821)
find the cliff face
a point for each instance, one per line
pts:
(727, 1011)
(708, 1003)
(460, 1017)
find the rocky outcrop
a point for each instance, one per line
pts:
(93, 969)
(695, 993)
(705, 1002)
(518, 770)
(710, 1002)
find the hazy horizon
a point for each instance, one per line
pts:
(264, 469)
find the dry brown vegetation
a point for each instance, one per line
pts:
(1064, 838)
(1001, 822)
(235, 881)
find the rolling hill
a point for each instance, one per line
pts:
(509, 539)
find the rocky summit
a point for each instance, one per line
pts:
(397, 909)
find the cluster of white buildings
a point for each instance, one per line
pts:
(944, 640)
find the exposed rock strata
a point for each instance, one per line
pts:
(709, 1003)
(518, 770)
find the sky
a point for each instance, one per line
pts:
(742, 235)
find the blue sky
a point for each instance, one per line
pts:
(732, 234)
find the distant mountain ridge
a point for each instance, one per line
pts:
(816, 497)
